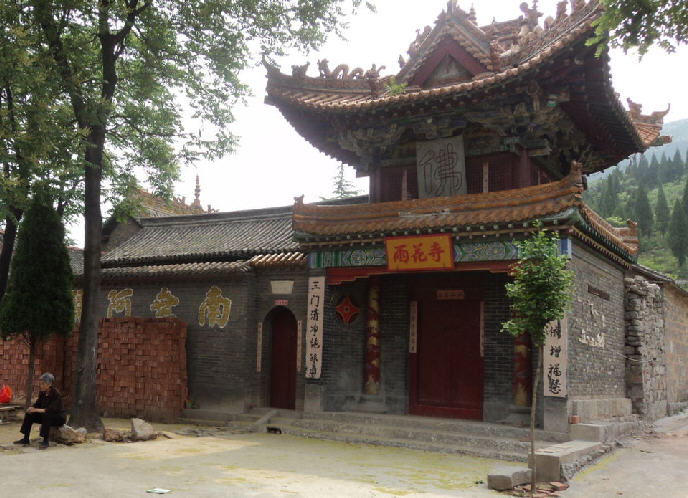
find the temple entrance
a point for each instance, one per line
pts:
(283, 359)
(447, 370)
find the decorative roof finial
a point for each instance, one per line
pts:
(197, 192)
(471, 15)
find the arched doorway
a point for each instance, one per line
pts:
(283, 359)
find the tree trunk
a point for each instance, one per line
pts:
(7, 248)
(533, 410)
(29, 378)
(84, 410)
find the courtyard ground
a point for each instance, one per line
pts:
(655, 465)
(214, 463)
(207, 462)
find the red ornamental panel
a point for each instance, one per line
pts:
(347, 310)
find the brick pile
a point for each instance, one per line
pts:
(14, 364)
(141, 369)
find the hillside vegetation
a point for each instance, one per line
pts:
(652, 189)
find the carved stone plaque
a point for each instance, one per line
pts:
(441, 167)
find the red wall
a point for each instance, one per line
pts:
(141, 366)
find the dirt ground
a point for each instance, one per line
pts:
(207, 462)
(210, 463)
(652, 466)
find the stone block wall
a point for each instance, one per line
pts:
(141, 367)
(676, 347)
(645, 348)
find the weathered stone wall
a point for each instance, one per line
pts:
(645, 348)
(596, 328)
(676, 326)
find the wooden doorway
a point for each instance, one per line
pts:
(446, 373)
(283, 359)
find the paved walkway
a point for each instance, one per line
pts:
(653, 466)
(254, 465)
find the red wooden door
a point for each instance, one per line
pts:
(447, 371)
(283, 360)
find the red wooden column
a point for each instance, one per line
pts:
(372, 354)
(522, 369)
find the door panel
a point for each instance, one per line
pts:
(283, 360)
(448, 366)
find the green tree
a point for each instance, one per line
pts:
(120, 64)
(607, 202)
(685, 197)
(676, 166)
(678, 233)
(38, 301)
(38, 138)
(662, 213)
(643, 212)
(642, 23)
(343, 188)
(539, 295)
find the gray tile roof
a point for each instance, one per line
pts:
(76, 260)
(207, 237)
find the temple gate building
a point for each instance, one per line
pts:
(483, 130)
(393, 302)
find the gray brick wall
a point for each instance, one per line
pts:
(596, 369)
(498, 360)
(221, 362)
(343, 353)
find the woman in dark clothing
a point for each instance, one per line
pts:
(47, 411)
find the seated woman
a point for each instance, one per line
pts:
(47, 411)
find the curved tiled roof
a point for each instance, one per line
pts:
(434, 214)
(209, 237)
(506, 211)
(308, 103)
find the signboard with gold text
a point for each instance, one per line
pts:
(424, 252)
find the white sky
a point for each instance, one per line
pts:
(273, 164)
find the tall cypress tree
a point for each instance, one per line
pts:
(676, 166)
(685, 197)
(652, 177)
(662, 213)
(38, 301)
(678, 233)
(643, 212)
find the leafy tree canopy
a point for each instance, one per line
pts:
(540, 291)
(643, 23)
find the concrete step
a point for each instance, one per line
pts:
(215, 417)
(494, 452)
(391, 432)
(604, 431)
(474, 428)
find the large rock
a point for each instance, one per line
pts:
(142, 430)
(68, 435)
(112, 436)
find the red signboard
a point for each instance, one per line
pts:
(424, 252)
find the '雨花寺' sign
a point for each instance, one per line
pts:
(425, 252)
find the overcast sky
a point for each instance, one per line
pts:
(273, 164)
